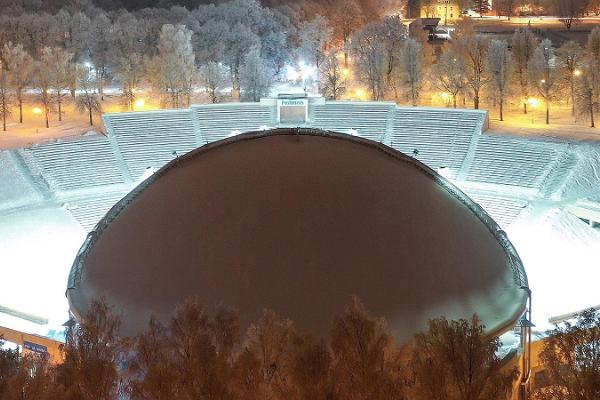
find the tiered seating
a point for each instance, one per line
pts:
(440, 136)
(366, 120)
(557, 177)
(15, 190)
(90, 210)
(76, 163)
(153, 138)
(512, 161)
(503, 211)
(219, 121)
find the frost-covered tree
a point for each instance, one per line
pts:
(458, 360)
(59, 66)
(481, 7)
(570, 57)
(239, 42)
(42, 82)
(127, 54)
(87, 99)
(593, 53)
(370, 60)
(75, 28)
(473, 49)
(314, 36)
(449, 74)
(333, 77)
(523, 44)
(499, 69)
(19, 65)
(392, 33)
(172, 71)
(5, 96)
(100, 47)
(587, 85)
(412, 69)
(571, 357)
(212, 76)
(543, 73)
(255, 79)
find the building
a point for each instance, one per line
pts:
(447, 11)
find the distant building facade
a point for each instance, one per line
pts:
(448, 11)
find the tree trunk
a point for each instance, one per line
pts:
(4, 118)
(91, 121)
(501, 102)
(476, 101)
(59, 108)
(547, 113)
(525, 107)
(46, 111)
(454, 100)
(20, 110)
(591, 110)
(572, 98)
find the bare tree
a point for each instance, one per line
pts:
(448, 74)
(570, 57)
(571, 356)
(543, 73)
(255, 79)
(127, 50)
(87, 99)
(569, 11)
(593, 53)
(311, 369)
(314, 36)
(523, 44)
(370, 60)
(33, 380)
(9, 365)
(6, 100)
(151, 365)
(458, 360)
(42, 82)
(61, 70)
(499, 69)
(269, 340)
(473, 49)
(20, 68)
(333, 77)
(89, 370)
(347, 18)
(360, 346)
(100, 46)
(212, 77)
(587, 86)
(412, 69)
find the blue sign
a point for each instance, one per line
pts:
(37, 348)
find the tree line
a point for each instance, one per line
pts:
(202, 354)
(395, 65)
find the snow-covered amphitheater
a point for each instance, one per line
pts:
(545, 193)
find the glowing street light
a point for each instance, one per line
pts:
(533, 102)
(361, 94)
(345, 72)
(37, 110)
(577, 72)
(139, 103)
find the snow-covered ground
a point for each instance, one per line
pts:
(37, 248)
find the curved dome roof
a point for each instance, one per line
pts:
(299, 221)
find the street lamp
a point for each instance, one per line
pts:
(577, 72)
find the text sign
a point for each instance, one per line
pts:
(37, 348)
(292, 111)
